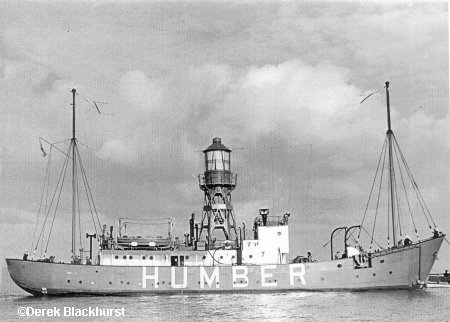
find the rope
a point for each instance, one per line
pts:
(88, 199)
(46, 180)
(416, 189)
(78, 201)
(57, 203)
(53, 197)
(373, 184)
(89, 192)
(378, 199)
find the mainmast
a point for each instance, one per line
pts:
(389, 134)
(73, 142)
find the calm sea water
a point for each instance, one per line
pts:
(425, 305)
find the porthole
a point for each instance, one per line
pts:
(124, 256)
(80, 282)
(116, 257)
(128, 283)
(144, 257)
(203, 257)
(390, 272)
(151, 257)
(339, 265)
(382, 261)
(251, 256)
(374, 274)
(110, 283)
(121, 282)
(357, 276)
(68, 281)
(187, 257)
(322, 279)
(131, 257)
(221, 257)
(279, 233)
(233, 257)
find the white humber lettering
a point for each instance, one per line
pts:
(146, 277)
(173, 277)
(240, 276)
(300, 273)
(265, 275)
(209, 279)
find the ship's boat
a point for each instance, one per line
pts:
(216, 255)
(439, 280)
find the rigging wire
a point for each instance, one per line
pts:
(373, 184)
(422, 203)
(57, 203)
(406, 193)
(399, 214)
(83, 171)
(88, 199)
(78, 201)
(66, 160)
(378, 199)
(46, 183)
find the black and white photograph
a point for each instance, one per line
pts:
(224, 160)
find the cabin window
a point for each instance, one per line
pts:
(131, 257)
(151, 257)
(176, 260)
(144, 257)
(173, 260)
(116, 257)
(125, 257)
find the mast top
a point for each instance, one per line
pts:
(389, 131)
(74, 91)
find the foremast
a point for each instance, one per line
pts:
(74, 182)
(390, 135)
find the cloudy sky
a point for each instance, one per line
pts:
(280, 83)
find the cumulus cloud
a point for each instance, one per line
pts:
(117, 150)
(140, 91)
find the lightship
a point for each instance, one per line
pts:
(216, 255)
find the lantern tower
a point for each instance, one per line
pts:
(218, 225)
